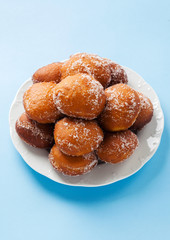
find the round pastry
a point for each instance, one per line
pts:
(77, 137)
(38, 103)
(117, 146)
(70, 165)
(48, 73)
(33, 133)
(118, 74)
(90, 64)
(122, 108)
(145, 114)
(80, 96)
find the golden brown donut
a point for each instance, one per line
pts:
(48, 73)
(38, 103)
(145, 114)
(122, 108)
(80, 96)
(69, 165)
(33, 133)
(90, 64)
(77, 137)
(117, 146)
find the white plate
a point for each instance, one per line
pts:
(149, 139)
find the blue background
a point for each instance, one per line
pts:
(133, 33)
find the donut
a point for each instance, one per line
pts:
(77, 137)
(122, 108)
(80, 96)
(117, 146)
(118, 74)
(38, 103)
(145, 114)
(48, 73)
(90, 64)
(33, 133)
(71, 165)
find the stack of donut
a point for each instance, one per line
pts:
(83, 111)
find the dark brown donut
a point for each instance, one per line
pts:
(33, 133)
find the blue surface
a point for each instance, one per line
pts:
(35, 33)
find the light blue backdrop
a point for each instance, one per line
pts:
(133, 33)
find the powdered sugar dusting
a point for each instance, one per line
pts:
(83, 88)
(123, 142)
(121, 99)
(86, 163)
(118, 146)
(145, 102)
(79, 134)
(95, 92)
(145, 114)
(90, 64)
(92, 164)
(35, 130)
(118, 74)
(96, 59)
(38, 103)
